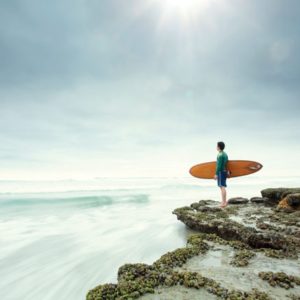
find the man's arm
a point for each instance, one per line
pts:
(219, 164)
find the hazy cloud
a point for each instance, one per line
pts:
(87, 85)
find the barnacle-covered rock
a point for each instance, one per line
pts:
(178, 257)
(107, 291)
(241, 258)
(230, 230)
(280, 279)
(253, 295)
(279, 254)
(200, 203)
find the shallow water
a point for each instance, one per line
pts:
(215, 264)
(60, 239)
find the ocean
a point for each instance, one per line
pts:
(58, 239)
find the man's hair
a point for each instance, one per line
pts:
(221, 145)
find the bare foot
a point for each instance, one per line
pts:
(222, 205)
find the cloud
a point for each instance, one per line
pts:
(84, 85)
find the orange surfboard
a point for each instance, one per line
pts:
(236, 168)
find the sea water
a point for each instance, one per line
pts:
(58, 239)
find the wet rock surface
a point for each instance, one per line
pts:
(259, 199)
(238, 200)
(216, 220)
(277, 194)
(247, 251)
(293, 200)
(280, 278)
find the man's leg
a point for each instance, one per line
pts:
(223, 193)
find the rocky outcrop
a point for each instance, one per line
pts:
(252, 232)
(135, 280)
(238, 200)
(259, 199)
(277, 194)
(287, 199)
(293, 200)
(216, 220)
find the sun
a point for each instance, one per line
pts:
(183, 7)
(184, 16)
(182, 4)
(185, 11)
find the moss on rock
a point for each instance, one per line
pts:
(241, 258)
(280, 279)
(228, 229)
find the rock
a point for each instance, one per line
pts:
(259, 199)
(276, 194)
(293, 199)
(136, 280)
(289, 203)
(209, 209)
(241, 258)
(202, 203)
(220, 230)
(268, 240)
(195, 205)
(238, 200)
(222, 226)
(282, 208)
(262, 225)
(280, 279)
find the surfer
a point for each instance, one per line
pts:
(221, 171)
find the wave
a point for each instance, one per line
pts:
(81, 201)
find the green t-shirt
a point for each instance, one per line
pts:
(222, 160)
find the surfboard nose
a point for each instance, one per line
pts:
(256, 167)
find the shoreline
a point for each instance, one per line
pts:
(243, 239)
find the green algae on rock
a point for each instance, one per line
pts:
(294, 297)
(211, 237)
(277, 253)
(242, 257)
(135, 280)
(280, 279)
(253, 295)
(217, 222)
(179, 256)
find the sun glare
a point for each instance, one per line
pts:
(184, 6)
(186, 10)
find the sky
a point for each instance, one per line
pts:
(115, 88)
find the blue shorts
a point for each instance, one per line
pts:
(222, 176)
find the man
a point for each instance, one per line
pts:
(221, 171)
